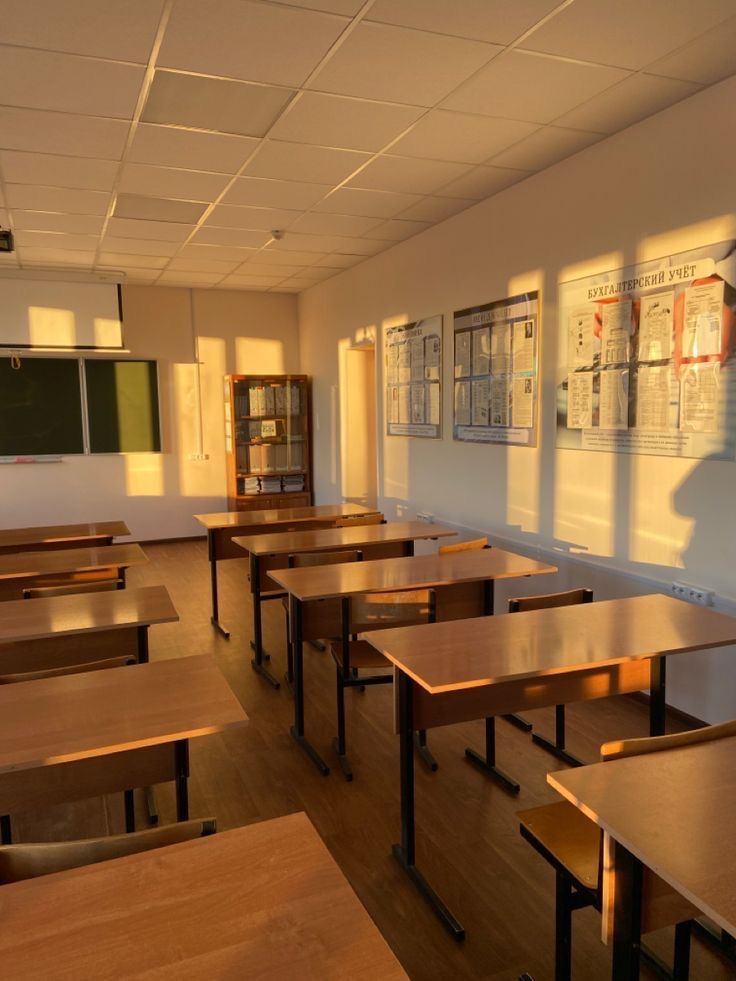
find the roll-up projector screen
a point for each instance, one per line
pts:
(38, 313)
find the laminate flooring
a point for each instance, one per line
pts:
(468, 840)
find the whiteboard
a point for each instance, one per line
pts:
(38, 313)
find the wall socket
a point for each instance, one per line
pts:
(693, 594)
(425, 516)
(199, 456)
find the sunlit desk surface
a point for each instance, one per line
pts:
(265, 901)
(61, 536)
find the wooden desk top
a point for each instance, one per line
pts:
(23, 620)
(78, 716)
(675, 811)
(18, 537)
(323, 539)
(25, 565)
(470, 653)
(264, 901)
(413, 572)
(240, 519)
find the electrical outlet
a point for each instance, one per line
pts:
(693, 594)
(425, 516)
(199, 456)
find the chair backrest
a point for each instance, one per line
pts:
(469, 546)
(79, 585)
(18, 862)
(620, 748)
(302, 560)
(376, 611)
(549, 601)
(359, 519)
(110, 662)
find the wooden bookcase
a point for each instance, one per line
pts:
(267, 441)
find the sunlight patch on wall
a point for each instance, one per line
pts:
(254, 355)
(718, 229)
(144, 474)
(585, 512)
(51, 327)
(106, 332)
(592, 265)
(207, 476)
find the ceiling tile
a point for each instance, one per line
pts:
(179, 278)
(54, 132)
(138, 246)
(44, 221)
(484, 20)
(167, 146)
(520, 85)
(314, 274)
(213, 104)
(233, 216)
(118, 259)
(203, 265)
(54, 171)
(247, 281)
(55, 240)
(355, 201)
(253, 41)
(346, 7)
(400, 65)
(324, 224)
(158, 209)
(436, 209)
(57, 199)
(627, 33)
(239, 237)
(544, 148)
(301, 162)
(285, 289)
(325, 243)
(331, 120)
(637, 97)
(298, 284)
(481, 182)
(397, 230)
(443, 135)
(140, 277)
(32, 257)
(123, 31)
(192, 185)
(262, 193)
(338, 261)
(159, 231)
(272, 258)
(66, 83)
(407, 174)
(217, 252)
(707, 59)
(251, 268)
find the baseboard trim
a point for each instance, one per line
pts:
(691, 720)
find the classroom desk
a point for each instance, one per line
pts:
(224, 526)
(273, 550)
(475, 669)
(672, 811)
(48, 537)
(36, 634)
(389, 575)
(265, 901)
(24, 569)
(76, 736)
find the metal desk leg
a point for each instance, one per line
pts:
(657, 686)
(143, 644)
(129, 801)
(212, 555)
(181, 764)
(257, 642)
(487, 763)
(143, 659)
(405, 853)
(6, 835)
(297, 730)
(557, 746)
(626, 916)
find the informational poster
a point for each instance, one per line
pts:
(647, 357)
(413, 358)
(496, 363)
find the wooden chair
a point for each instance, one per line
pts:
(547, 602)
(359, 520)
(28, 861)
(466, 546)
(579, 853)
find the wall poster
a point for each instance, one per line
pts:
(413, 355)
(496, 363)
(645, 360)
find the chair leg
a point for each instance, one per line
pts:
(340, 743)
(563, 927)
(681, 964)
(423, 751)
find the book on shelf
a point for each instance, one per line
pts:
(293, 483)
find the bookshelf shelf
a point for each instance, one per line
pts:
(267, 441)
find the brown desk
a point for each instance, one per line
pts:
(24, 569)
(35, 634)
(272, 551)
(390, 575)
(47, 537)
(223, 526)
(264, 901)
(474, 669)
(76, 736)
(672, 811)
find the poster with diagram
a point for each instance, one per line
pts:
(413, 359)
(645, 359)
(496, 371)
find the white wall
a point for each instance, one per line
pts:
(157, 494)
(661, 186)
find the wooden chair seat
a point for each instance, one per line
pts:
(566, 838)
(468, 546)
(363, 656)
(70, 589)
(375, 610)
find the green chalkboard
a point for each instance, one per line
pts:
(122, 406)
(40, 407)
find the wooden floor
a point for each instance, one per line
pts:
(468, 841)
